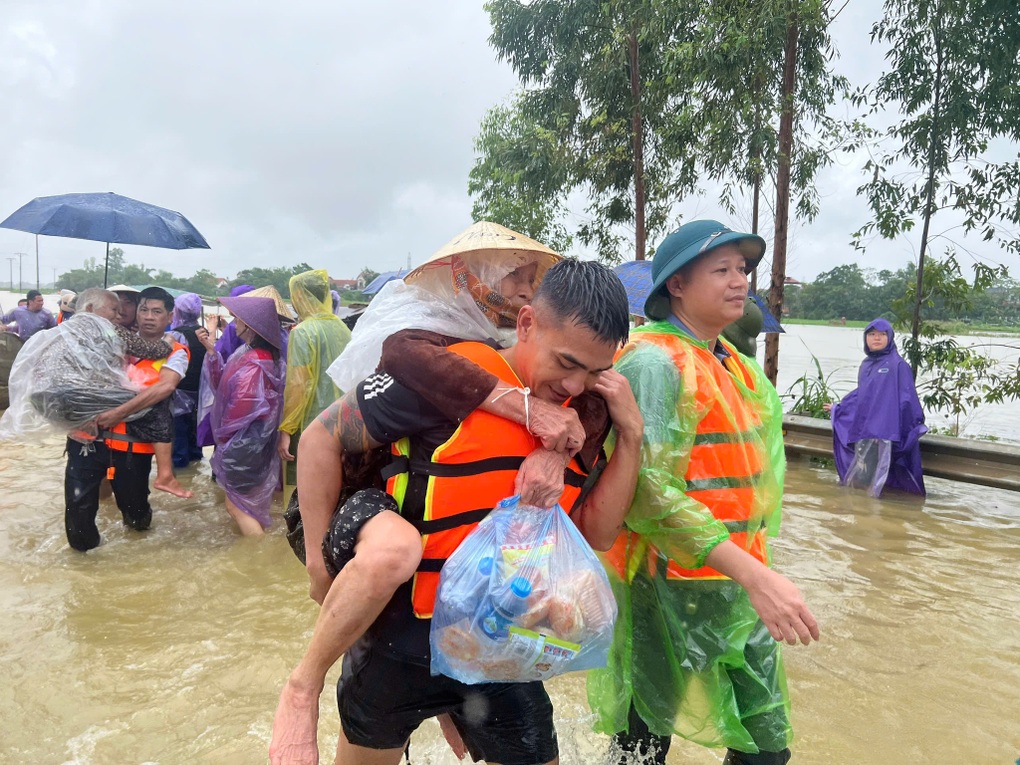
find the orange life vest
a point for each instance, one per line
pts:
(467, 476)
(145, 373)
(724, 465)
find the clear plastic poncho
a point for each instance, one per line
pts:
(691, 655)
(63, 378)
(244, 418)
(522, 598)
(431, 302)
(314, 344)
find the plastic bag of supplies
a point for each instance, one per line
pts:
(522, 598)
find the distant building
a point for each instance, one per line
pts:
(221, 282)
(789, 280)
(346, 285)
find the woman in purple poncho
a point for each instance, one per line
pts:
(246, 412)
(876, 429)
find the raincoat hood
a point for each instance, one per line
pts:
(309, 294)
(882, 326)
(187, 309)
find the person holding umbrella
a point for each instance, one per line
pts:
(247, 409)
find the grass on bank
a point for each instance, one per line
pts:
(945, 327)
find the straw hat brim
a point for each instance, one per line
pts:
(269, 291)
(485, 240)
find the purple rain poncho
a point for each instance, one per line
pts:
(244, 419)
(876, 429)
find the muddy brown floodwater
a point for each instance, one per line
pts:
(171, 646)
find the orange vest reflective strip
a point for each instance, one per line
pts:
(467, 476)
(725, 462)
(144, 373)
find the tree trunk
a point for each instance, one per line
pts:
(782, 191)
(754, 220)
(638, 143)
(929, 202)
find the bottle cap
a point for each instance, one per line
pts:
(520, 587)
(485, 566)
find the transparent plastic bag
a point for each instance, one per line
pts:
(64, 377)
(523, 598)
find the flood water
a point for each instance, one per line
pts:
(171, 646)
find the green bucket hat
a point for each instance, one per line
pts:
(688, 242)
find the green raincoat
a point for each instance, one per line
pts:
(691, 654)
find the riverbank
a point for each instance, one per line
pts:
(945, 327)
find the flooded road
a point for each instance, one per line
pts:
(171, 646)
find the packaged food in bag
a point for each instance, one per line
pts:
(523, 598)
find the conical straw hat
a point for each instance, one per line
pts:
(486, 239)
(269, 291)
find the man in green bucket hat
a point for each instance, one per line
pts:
(702, 614)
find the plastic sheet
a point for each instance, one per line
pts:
(244, 419)
(429, 303)
(523, 598)
(63, 378)
(869, 469)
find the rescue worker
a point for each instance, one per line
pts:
(566, 341)
(696, 649)
(125, 459)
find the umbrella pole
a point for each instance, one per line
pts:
(37, 261)
(106, 266)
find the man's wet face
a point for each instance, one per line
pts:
(559, 359)
(36, 303)
(152, 318)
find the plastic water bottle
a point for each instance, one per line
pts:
(503, 610)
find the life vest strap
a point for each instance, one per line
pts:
(451, 521)
(402, 464)
(431, 565)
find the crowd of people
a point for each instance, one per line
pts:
(495, 368)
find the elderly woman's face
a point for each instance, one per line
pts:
(519, 285)
(711, 290)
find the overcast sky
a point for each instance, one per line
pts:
(339, 134)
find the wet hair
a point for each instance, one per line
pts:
(589, 294)
(157, 293)
(32, 295)
(94, 296)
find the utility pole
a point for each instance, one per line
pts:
(54, 278)
(10, 262)
(21, 279)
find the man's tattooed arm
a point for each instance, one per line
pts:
(344, 422)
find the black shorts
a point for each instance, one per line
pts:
(339, 541)
(382, 701)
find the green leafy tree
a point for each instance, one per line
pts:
(277, 277)
(953, 68)
(592, 119)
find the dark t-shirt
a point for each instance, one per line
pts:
(391, 412)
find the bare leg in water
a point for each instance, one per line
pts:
(165, 478)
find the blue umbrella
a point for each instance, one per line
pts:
(106, 217)
(636, 276)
